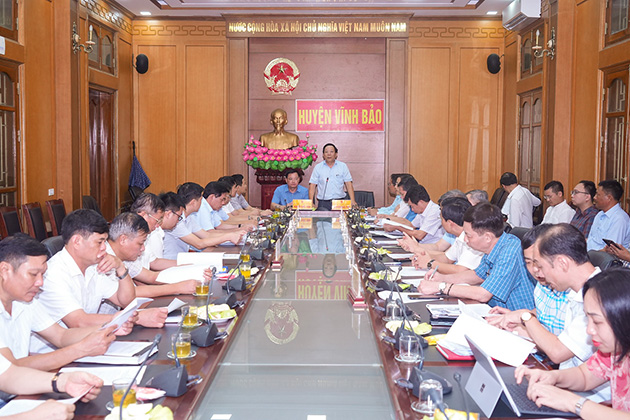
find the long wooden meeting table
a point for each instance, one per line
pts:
(298, 350)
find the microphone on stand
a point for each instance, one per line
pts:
(172, 381)
(156, 341)
(324, 192)
(205, 335)
(458, 378)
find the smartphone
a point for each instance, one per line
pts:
(611, 243)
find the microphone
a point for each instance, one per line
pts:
(156, 341)
(173, 381)
(205, 335)
(324, 192)
(439, 402)
(458, 378)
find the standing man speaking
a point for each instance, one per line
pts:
(328, 179)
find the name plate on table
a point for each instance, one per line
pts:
(341, 204)
(305, 223)
(302, 204)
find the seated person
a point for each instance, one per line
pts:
(22, 267)
(520, 203)
(426, 226)
(477, 196)
(186, 232)
(404, 184)
(607, 305)
(560, 255)
(240, 203)
(26, 381)
(151, 208)
(235, 216)
(285, 194)
(585, 212)
(211, 214)
(82, 280)
(459, 256)
(393, 192)
(558, 211)
(501, 278)
(127, 235)
(612, 222)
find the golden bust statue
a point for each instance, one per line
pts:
(278, 138)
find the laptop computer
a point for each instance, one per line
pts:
(485, 385)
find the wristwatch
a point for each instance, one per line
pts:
(442, 287)
(579, 405)
(430, 264)
(526, 316)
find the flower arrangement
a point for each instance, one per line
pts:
(298, 157)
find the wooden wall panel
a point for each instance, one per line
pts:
(124, 126)
(509, 70)
(429, 120)
(478, 117)
(38, 101)
(454, 117)
(587, 108)
(204, 113)
(180, 103)
(158, 143)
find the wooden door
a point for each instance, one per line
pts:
(101, 149)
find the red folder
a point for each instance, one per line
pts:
(449, 355)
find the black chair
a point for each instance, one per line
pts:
(364, 198)
(53, 244)
(134, 192)
(499, 197)
(90, 203)
(56, 214)
(10, 221)
(519, 232)
(34, 220)
(603, 259)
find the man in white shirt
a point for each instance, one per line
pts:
(459, 256)
(82, 277)
(127, 235)
(558, 211)
(151, 208)
(426, 226)
(520, 203)
(22, 267)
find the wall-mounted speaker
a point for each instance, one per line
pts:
(142, 63)
(494, 63)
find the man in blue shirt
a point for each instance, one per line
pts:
(611, 222)
(501, 278)
(328, 179)
(393, 191)
(292, 190)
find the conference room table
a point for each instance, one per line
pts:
(298, 349)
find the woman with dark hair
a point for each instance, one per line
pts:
(607, 306)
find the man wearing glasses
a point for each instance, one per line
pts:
(585, 212)
(558, 211)
(151, 209)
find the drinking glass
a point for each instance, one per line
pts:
(202, 288)
(430, 397)
(189, 316)
(392, 312)
(119, 386)
(182, 344)
(409, 349)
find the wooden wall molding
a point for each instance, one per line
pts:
(456, 32)
(108, 13)
(183, 29)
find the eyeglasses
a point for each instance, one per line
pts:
(158, 221)
(578, 192)
(179, 216)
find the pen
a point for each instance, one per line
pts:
(433, 274)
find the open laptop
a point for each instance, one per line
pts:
(485, 385)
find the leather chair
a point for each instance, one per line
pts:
(56, 214)
(134, 192)
(90, 203)
(9, 221)
(364, 198)
(519, 232)
(34, 220)
(53, 244)
(603, 259)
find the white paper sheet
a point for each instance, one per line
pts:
(181, 272)
(109, 373)
(396, 224)
(126, 313)
(121, 353)
(409, 297)
(175, 305)
(20, 406)
(400, 256)
(413, 272)
(209, 259)
(501, 345)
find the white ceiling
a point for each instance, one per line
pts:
(217, 8)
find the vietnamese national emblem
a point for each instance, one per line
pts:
(281, 76)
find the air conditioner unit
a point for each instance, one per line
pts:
(520, 13)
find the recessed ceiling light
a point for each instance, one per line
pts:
(492, 12)
(145, 13)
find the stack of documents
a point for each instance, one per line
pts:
(122, 353)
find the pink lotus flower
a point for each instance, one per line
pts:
(265, 158)
(291, 158)
(263, 149)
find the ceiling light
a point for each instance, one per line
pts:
(492, 13)
(145, 13)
